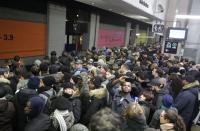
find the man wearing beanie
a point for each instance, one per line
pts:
(21, 99)
(37, 121)
(7, 112)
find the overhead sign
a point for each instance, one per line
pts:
(158, 28)
(171, 47)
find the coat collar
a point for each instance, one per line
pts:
(191, 85)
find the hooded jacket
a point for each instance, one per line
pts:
(7, 112)
(96, 100)
(187, 102)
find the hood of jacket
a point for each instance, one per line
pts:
(4, 80)
(191, 85)
(98, 93)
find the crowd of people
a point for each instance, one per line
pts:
(110, 89)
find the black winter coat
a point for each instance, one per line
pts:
(7, 112)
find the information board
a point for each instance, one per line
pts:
(171, 47)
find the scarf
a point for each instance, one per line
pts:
(59, 116)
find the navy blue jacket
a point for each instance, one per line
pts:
(187, 102)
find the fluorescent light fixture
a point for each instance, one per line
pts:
(188, 17)
(138, 34)
(139, 17)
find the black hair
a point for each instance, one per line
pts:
(35, 70)
(174, 118)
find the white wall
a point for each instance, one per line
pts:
(56, 16)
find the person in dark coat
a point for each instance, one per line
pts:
(37, 121)
(95, 100)
(7, 112)
(157, 86)
(74, 97)
(21, 99)
(187, 100)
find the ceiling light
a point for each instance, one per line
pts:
(122, 13)
(77, 15)
(138, 34)
(139, 17)
(188, 16)
(92, 3)
(110, 9)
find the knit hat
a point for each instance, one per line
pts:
(49, 80)
(33, 82)
(79, 127)
(37, 106)
(167, 100)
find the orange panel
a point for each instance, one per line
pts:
(22, 38)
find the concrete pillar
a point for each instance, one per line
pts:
(94, 28)
(127, 36)
(97, 30)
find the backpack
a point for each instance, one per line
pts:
(47, 98)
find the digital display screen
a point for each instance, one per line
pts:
(177, 33)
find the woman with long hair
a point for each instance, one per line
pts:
(171, 121)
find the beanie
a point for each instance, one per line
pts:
(33, 82)
(167, 101)
(37, 106)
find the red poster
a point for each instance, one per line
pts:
(111, 38)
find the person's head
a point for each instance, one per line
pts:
(78, 64)
(68, 90)
(146, 96)
(4, 72)
(44, 67)
(16, 58)
(35, 70)
(156, 85)
(133, 110)
(157, 72)
(188, 79)
(49, 81)
(126, 87)
(95, 82)
(33, 82)
(34, 106)
(105, 120)
(167, 101)
(124, 68)
(171, 116)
